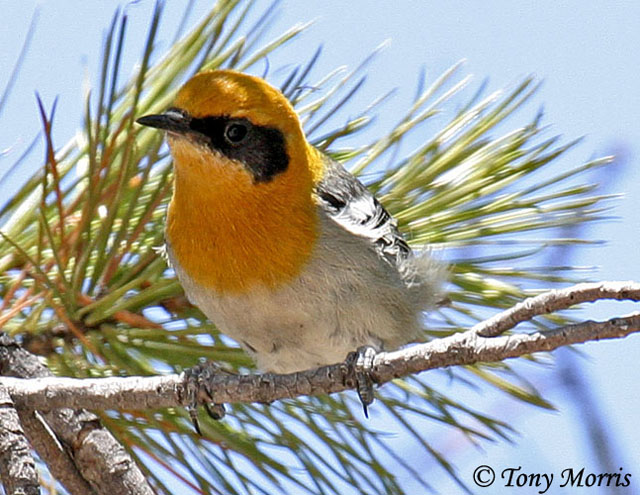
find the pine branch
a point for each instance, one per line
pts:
(44, 441)
(79, 451)
(553, 301)
(17, 467)
(464, 348)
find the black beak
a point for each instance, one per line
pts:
(171, 120)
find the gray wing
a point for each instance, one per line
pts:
(350, 204)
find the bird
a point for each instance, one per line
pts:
(282, 248)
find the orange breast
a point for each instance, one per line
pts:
(231, 234)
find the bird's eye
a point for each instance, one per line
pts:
(235, 132)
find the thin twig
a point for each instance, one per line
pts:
(556, 300)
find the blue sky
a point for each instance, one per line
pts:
(585, 52)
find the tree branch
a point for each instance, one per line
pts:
(80, 452)
(52, 452)
(465, 348)
(17, 467)
(555, 300)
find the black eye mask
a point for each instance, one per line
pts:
(261, 149)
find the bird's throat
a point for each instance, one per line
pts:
(230, 234)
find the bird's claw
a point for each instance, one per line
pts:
(361, 363)
(196, 389)
(215, 411)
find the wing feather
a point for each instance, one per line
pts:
(350, 204)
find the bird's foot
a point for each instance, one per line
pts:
(361, 364)
(197, 391)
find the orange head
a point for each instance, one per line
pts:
(242, 213)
